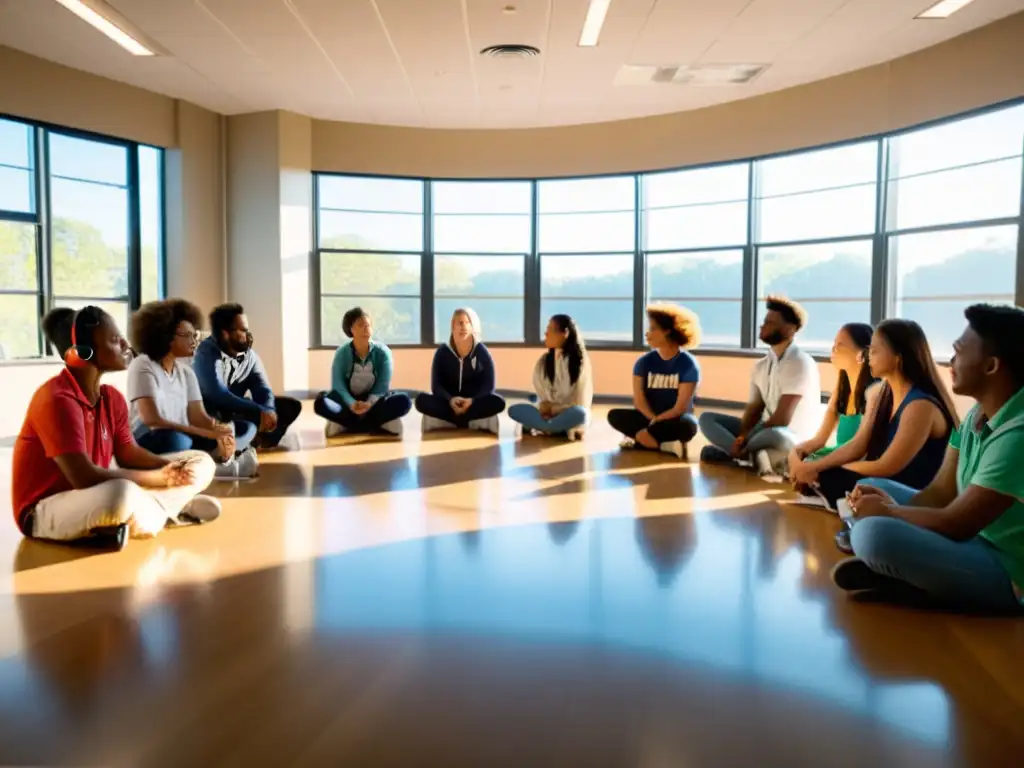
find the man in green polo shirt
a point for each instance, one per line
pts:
(961, 539)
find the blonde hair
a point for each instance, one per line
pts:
(474, 321)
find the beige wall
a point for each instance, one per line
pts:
(722, 378)
(37, 89)
(269, 215)
(977, 69)
(194, 188)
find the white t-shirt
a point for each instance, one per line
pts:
(172, 392)
(794, 374)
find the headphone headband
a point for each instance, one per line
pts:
(77, 355)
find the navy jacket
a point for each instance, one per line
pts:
(225, 380)
(452, 376)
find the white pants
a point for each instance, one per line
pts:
(74, 514)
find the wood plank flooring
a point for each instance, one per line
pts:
(457, 599)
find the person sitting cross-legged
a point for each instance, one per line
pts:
(562, 381)
(361, 399)
(960, 541)
(462, 381)
(166, 404)
(664, 384)
(228, 369)
(64, 487)
(784, 403)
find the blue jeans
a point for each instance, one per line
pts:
(161, 441)
(721, 430)
(529, 416)
(967, 574)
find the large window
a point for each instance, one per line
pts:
(81, 222)
(816, 214)
(482, 234)
(917, 225)
(587, 240)
(685, 214)
(371, 240)
(953, 220)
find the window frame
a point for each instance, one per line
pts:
(883, 285)
(42, 220)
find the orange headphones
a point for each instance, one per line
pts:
(77, 355)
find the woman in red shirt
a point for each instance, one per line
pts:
(63, 485)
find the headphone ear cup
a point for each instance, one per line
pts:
(73, 359)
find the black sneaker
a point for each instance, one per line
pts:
(854, 575)
(712, 454)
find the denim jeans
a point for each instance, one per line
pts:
(721, 430)
(162, 441)
(529, 416)
(967, 574)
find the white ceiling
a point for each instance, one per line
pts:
(416, 62)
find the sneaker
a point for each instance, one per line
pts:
(674, 447)
(712, 454)
(763, 467)
(485, 425)
(248, 463)
(430, 424)
(853, 575)
(627, 444)
(202, 509)
(393, 427)
(574, 434)
(333, 430)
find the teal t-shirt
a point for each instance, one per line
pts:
(990, 457)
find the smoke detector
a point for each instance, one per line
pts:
(696, 74)
(510, 51)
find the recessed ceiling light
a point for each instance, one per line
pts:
(92, 17)
(943, 9)
(592, 24)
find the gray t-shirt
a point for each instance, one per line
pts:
(172, 392)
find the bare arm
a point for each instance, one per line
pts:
(682, 405)
(961, 519)
(820, 439)
(857, 446)
(751, 416)
(784, 413)
(640, 399)
(942, 490)
(915, 428)
(198, 417)
(150, 416)
(82, 473)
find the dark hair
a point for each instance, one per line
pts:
(223, 317)
(907, 340)
(791, 312)
(154, 325)
(680, 324)
(351, 318)
(861, 334)
(58, 321)
(574, 349)
(1001, 329)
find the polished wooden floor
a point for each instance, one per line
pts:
(459, 600)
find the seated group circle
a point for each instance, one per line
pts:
(935, 505)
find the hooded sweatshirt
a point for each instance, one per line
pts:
(367, 379)
(562, 391)
(471, 376)
(225, 379)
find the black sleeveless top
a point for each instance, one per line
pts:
(921, 469)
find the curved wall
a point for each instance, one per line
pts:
(977, 69)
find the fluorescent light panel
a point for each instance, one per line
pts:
(592, 24)
(93, 18)
(943, 9)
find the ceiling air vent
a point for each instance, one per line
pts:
(697, 74)
(510, 51)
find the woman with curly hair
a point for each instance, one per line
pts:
(561, 379)
(664, 383)
(167, 412)
(65, 484)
